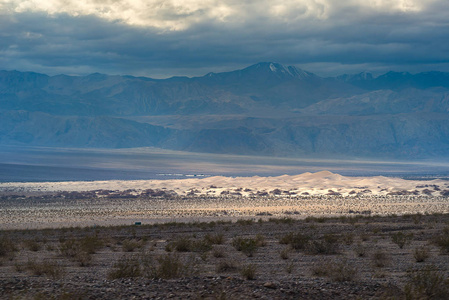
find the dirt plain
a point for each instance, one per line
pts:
(267, 257)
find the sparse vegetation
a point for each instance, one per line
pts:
(246, 245)
(7, 247)
(226, 266)
(129, 245)
(202, 253)
(421, 254)
(339, 271)
(401, 239)
(380, 259)
(249, 272)
(443, 240)
(297, 241)
(427, 283)
(285, 252)
(125, 267)
(47, 268)
(328, 244)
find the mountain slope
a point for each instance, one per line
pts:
(265, 109)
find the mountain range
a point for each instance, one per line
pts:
(264, 109)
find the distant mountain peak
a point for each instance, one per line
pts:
(280, 70)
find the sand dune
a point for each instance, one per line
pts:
(320, 183)
(298, 196)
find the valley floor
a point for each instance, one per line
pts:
(359, 257)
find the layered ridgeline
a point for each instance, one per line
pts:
(265, 109)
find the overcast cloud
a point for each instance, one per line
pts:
(192, 37)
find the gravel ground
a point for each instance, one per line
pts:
(356, 257)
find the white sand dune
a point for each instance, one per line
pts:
(319, 183)
(308, 194)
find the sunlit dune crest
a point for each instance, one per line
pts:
(310, 183)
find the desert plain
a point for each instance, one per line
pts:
(309, 236)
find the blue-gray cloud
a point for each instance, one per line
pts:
(320, 36)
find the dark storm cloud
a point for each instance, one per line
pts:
(346, 39)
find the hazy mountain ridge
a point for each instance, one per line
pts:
(267, 109)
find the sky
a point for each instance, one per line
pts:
(159, 39)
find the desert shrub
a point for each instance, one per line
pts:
(427, 283)
(289, 267)
(245, 222)
(297, 241)
(129, 245)
(360, 250)
(125, 267)
(315, 219)
(170, 266)
(7, 246)
(343, 271)
(91, 244)
(69, 248)
(226, 266)
(380, 259)
(285, 253)
(443, 240)
(348, 239)
(246, 245)
(218, 252)
(284, 220)
(421, 254)
(249, 272)
(401, 239)
(184, 244)
(32, 245)
(46, 268)
(80, 250)
(215, 239)
(339, 271)
(260, 240)
(328, 244)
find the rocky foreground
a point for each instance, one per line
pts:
(358, 257)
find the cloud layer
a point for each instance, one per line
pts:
(190, 37)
